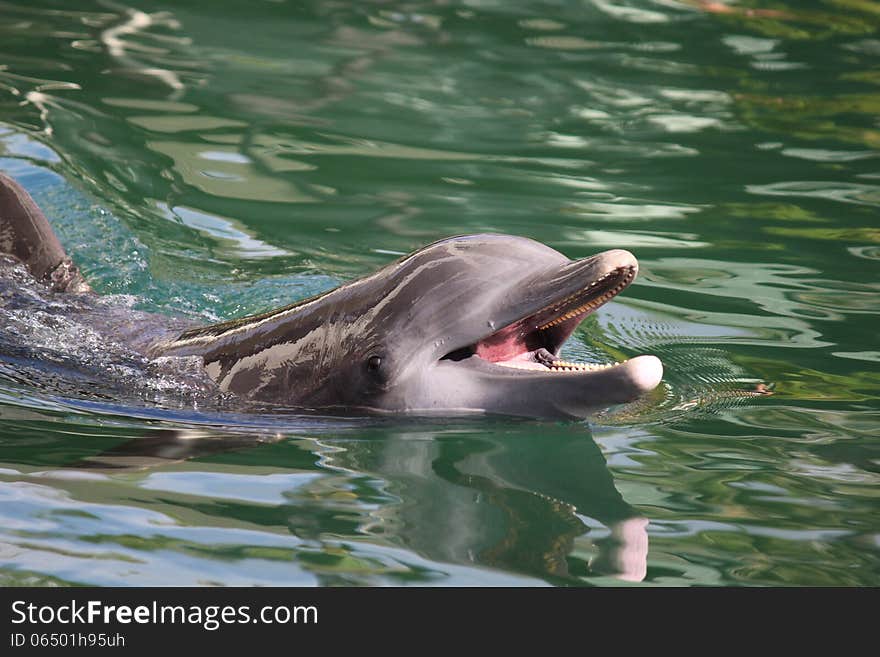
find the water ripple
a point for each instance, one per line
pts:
(189, 168)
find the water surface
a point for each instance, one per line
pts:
(213, 159)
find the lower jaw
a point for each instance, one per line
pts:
(475, 383)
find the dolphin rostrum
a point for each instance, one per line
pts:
(467, 324)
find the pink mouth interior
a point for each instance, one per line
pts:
(519, 342)
(507, 344)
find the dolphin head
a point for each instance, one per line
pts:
(467, 324)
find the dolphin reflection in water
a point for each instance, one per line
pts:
(468, 324)
(510, 496)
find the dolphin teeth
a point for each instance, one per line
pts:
(569, 366)
(624, 278)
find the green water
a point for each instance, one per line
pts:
(221, 158)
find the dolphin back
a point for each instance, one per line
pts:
(25, 233)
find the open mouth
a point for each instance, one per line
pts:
(532, 343)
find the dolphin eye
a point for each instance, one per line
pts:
(374, 363)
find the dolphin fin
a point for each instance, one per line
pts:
(26, 234)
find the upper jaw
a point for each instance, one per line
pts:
(548, 307)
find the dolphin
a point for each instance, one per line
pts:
(468, 324)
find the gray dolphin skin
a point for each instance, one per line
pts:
(468, 324)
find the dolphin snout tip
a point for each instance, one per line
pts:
(619, 258)
(645, 373)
